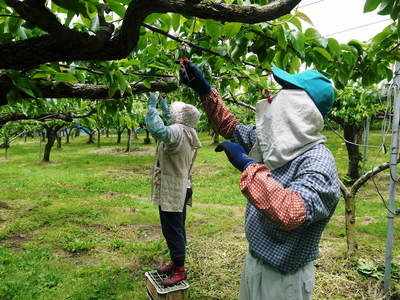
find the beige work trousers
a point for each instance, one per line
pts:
(262, 282)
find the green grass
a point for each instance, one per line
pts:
(83, 227)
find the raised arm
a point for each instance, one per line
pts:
(154, 123)
(219, 117)
(166, 112)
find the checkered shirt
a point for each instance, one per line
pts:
(312, 175)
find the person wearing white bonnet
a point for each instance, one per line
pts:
(289, 178)
(177, 144)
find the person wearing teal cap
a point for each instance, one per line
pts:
(289, 178)
(317, 86)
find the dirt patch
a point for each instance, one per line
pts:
(6, 159)
(108, 150)
(362, 220)
(110, 195)
(49, 196)
(145, 232)
(238, 211)
(204, 171)
(132, 233)
(4, 205)
(15, 241)
(46, 163)
(130, 171)
(96, 227)
(367, 220)
(121, 151)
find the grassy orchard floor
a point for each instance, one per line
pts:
(82, 227)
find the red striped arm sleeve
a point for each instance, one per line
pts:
(219, 117)
(285, 208)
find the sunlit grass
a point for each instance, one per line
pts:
(83, 226)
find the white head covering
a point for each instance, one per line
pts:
(185, 114)
(287, 127)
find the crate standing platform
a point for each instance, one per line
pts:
(156, 291)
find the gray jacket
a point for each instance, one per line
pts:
(172, 168)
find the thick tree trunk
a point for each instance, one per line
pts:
(91, 137)
(59, 140)
(51, 133)
(6, 145)
(353, 133)
(147, 138)
(77, 132)
(68, 134)
(98, 137)
(350, 217)
(119, 135)
(129, 142)
(107, 132)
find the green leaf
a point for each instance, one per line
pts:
(13, 97)
(295, 65)
(324, 53)
(386, 7)
(69, 18)
(231, 28)
(297, 39)
(279, 34)
(334, 47)
(176, 21)
(112, 89)
(13, 24)
(296, 22)
(213, 29)
(165, 20)
(117, 8)
(142, 43)
(285, 60)
(304, 17)
(76, 6)
(240, 48)
(371, 5)
(152, 18)
(68, 77)
(396, 10)
(147, 84)
(312, 34)
(123, 84)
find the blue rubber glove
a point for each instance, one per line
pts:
(154, 123)
(193, 77)
(236, 155)
(153, 101)
(165, 110)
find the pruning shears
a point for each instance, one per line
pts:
(184, 63)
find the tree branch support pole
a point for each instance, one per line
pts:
(394, 149)
(366, 140)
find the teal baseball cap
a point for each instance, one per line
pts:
(317, 86)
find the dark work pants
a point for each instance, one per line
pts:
(173, 229)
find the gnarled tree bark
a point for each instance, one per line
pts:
(65, 44)
(349, 195)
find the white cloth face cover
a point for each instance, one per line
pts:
(185, 114)
(287, 127)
